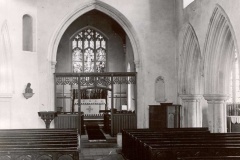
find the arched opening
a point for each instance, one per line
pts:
(5, 62)
(190, 81)
(219, 49)
(190, 63)
(116, 53)
(115, 39)
(6, 82)
(106, 9)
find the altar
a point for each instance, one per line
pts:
(90, 106)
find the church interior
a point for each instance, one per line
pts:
(123, 69)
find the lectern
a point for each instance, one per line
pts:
(166, 115)
(47, 117)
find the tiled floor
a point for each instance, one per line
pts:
(108, 150)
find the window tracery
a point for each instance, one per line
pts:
(89, 49)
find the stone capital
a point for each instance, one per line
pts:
(190, 96)
(53, 66)
(137, 65)
(216, 97)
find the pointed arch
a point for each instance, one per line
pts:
(5, 62)
(102, 7)
(219, 48)
(190, 63)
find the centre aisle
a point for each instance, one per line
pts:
(94, 133)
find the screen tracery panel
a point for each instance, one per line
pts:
(111, 86)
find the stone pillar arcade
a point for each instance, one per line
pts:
(191, 110)
(217, 117)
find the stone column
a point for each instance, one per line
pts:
(51, 86)
(217, 117)
(191, 110)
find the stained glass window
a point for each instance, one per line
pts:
(89, 51)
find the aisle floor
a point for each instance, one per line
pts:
(107, 150)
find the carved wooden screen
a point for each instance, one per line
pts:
(89, 49)
(110, 85)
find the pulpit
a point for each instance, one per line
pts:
(47, 117)
(165, 115)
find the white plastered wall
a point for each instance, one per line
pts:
(151, 28)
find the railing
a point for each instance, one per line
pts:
(68, 121)
(123, 121)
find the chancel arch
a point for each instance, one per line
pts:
(219, 51)
(70, 18)
(93, 39)
(190, 78)
(106, 9)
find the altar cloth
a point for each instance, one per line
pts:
(90, 106)
(235, 119)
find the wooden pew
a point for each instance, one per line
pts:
(192, 148)
(171, 147)
(181, 143)
(141, 142)
(37, 144)
(211, 158)
(129, 143)
(146, 144)
(175, 149)
(175, 153)
(127, 137)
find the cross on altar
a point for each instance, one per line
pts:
(89, 109)
(90, 106)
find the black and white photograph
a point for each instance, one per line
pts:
(119, 80)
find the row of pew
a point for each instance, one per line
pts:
(39, 144)
(179, 144)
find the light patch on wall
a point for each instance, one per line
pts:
(186, 3)
(5, 60)
(160, 89)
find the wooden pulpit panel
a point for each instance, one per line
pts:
(164, 116)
